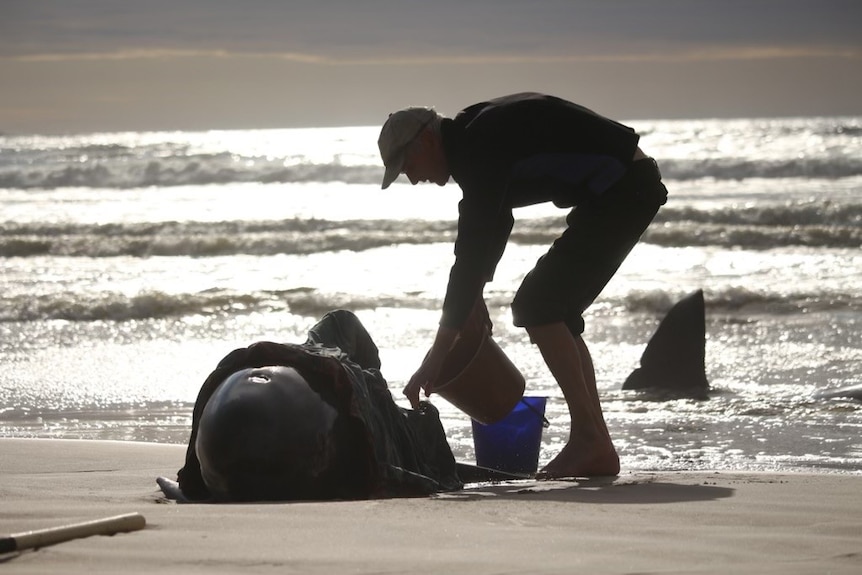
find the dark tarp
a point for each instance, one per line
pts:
(390, 451)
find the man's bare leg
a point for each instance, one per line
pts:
(589, 373)
(589, 451)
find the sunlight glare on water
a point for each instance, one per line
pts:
(334, 201)
(346, 145)
(135, 262)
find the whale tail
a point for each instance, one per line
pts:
(674, 359)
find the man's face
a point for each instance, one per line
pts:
(424, 160)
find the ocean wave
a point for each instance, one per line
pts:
(852, 129)
(681, 234)
(733, 300)
(181, 171)
(197, 239)
(825, 148)
(114, 306)
(812, 213)
(743, 168)
(815, 225)
(126, 171)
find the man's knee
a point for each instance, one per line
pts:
(531, 310)
(576, 325)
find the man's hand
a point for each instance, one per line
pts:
(424, 378)
(431, 367)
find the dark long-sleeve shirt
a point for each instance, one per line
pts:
(515, 151)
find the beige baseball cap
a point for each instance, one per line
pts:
(399, 130)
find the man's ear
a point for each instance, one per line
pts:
(427, 137)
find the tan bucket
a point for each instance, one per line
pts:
(484, 384)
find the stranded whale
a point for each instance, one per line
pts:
(265, 431)
(673, 362)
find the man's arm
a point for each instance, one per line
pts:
(466, 339)
(431, 367)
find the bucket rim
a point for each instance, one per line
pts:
(485, 341)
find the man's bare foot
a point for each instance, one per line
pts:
(578, 460)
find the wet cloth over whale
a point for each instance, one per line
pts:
(393, 451)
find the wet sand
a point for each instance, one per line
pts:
(664, 522)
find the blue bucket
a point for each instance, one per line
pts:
(512, 444)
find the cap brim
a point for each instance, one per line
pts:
(392, 172)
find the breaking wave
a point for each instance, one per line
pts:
(221, 169)
(814, 224)
(825, 148)
(182, 171)
(115, 306)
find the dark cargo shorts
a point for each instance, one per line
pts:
(600, 234)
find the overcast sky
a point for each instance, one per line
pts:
(107, 65)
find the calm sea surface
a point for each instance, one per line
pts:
(131, 263)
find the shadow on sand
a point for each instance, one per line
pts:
(602, 490)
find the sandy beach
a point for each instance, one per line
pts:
(667, 522)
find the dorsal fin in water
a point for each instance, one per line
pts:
(674, 360)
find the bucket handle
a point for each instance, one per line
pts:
(545, 422)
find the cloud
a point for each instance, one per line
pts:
(158, 54)
(717, 54)
(703, 54)
(108, 65)
(373, 31)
